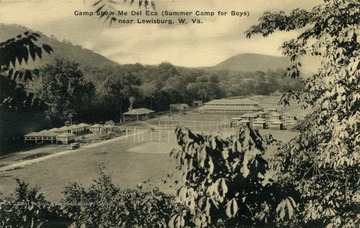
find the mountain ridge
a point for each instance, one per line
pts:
(249, 62)
(246, 62)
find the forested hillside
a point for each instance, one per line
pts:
(77, 82)
(62, 49)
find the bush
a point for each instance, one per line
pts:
(30, 209)
(102, 205)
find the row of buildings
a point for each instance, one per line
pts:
(62, 135)
(245, 110)
(268, 120)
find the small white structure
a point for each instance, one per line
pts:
(259, 123)
(249, 116)
(275, 116)
(65, 138)
(262, 114)
(48, 136)
(277, 125)
(56, 130)
(96, 128)
(139, 114)
(196, 103)
(80, 128)
(64, 129)
(32, 137)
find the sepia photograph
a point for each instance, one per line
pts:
(180, 113)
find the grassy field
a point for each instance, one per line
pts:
(127, 168)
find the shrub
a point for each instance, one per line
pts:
(105, 205)
(30, 209)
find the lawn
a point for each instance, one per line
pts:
(127, 168)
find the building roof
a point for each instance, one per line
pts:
(82, 125)
(64, 128)
(261, 112)
(96, 125)
(231, 102)
(65, 135)
(47, 133)
(276, 122)
(259, 120)
(139, 111)
(54, 129)
(33, 134)
(275, 114)
(253, 115)
(230, 108)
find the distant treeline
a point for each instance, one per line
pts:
(75, 93)
(156, 87)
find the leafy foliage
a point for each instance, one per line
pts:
(29, 209)
(324, 160)
(18, 50)
(102, 205)
(13, 52)
(225, 181)
(111, 7)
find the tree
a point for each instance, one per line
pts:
(206, 87)
(16, 104)
(225, 181)
(62, 86)
(323, 162)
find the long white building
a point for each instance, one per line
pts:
(230, 106)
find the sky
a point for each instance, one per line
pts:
(192, 45)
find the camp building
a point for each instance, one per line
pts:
(139, 114)
(231, 106)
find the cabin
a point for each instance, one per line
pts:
(271, 110)
(263, 115)
(48, 136)
(197, 103)
(32, 137)
(96, 128)
(249, 116)
(64, 129)
(259, 123)
(80, 128)
(277, 125)
(65, 138)
(138, 114)
(275, 116)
